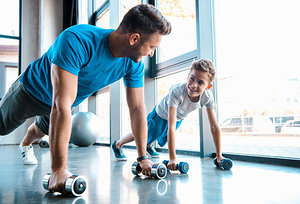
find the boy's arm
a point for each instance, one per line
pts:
(171, 137)
(216, 132)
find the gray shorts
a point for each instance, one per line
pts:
(18, 105)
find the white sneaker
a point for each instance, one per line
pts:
(28, 155)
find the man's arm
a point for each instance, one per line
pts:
(64, 93)
(216, 132)
(172, 112)
(138, 116)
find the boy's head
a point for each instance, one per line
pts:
(200, 78)
(144, 25)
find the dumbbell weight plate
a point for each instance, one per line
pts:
(75, 185)
(159, 171)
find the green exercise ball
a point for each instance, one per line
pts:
(85, 129)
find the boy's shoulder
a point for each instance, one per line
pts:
(178, 87)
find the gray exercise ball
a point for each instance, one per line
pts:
(85, 129)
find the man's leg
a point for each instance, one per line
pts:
(18, 105)
(33, 134)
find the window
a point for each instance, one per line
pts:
(182, 39)
(9, 44)
(258, 75)
(83, 12)
(187, 136)
(127, 5)
(103, 112)
(9, 18)
(98, 3)
(103, 20)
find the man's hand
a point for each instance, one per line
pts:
(146, 166)
(57, 181)
(172, 165)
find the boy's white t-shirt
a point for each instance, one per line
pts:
(178, 98)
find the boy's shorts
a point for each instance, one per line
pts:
(158, 128)
(18, 105)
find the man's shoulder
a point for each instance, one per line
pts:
(86, 30)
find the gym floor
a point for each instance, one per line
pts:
(110, 181)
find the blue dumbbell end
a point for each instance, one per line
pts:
(183, 167)
(226, 164)
(165, 162)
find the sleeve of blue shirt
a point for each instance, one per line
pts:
(68, 52)
(134, 78)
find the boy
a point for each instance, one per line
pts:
(167, 116)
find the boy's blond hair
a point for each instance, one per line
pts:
(207, 66)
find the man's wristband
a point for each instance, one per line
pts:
(142, 158)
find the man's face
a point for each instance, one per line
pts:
(145, 48)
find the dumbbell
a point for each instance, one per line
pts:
(225, 163)
(44, 143)
(75, 185)
(157, 170)
(183, 167)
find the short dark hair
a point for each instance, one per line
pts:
(145, 19)
(205, 65)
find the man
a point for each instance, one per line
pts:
(82, 60)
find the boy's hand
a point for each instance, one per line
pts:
(146, 166)
(219, 159)
(172, 165)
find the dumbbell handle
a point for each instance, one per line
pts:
(157, 170)
(75, 185)
(183, 167)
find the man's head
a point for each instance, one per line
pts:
(144, 25)
(200, 78)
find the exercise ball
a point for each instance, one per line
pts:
(85, 129)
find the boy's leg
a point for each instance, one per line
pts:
(152, 151)
(117, 146)
(124, 140)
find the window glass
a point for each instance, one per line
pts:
(187, 136)
(98, 3)
(9, 17)
(103, 112)
(103, 20)
(83, 19)
(128, 4)
(258, 75)
(182, 39)
(9, 63)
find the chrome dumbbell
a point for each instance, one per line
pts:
(157, 170)
(183, 167)
(75, 185)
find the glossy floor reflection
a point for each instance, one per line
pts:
(111, 181)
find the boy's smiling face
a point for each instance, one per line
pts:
(197, 82)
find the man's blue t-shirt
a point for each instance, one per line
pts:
(83, 51)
